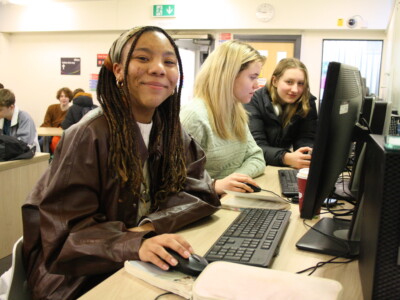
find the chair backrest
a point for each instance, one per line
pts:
(19, 285)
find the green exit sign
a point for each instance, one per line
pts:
(165, 10)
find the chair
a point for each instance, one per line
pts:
(19, 285)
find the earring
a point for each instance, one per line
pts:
(119, 84)
(173, 92)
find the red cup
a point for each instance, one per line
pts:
(302, 176)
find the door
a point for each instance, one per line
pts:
(274, 48)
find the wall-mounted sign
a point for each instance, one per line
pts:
(164, 11)
(100, 59)
(70, 66)
(94, 79)
(225, 36)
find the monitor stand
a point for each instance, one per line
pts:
(329, 236)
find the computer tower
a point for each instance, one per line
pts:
(379, 260)
(380, 120)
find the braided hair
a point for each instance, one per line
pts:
(124, 159)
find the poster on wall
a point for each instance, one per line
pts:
(100, 59)
(70, 66)
(94, 79)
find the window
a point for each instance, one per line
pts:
(366, 55)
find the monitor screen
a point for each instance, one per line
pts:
(338, 117)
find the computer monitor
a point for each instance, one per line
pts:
(337, 120)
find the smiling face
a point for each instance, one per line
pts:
(290, 86)
(152, 73)
(247, 82)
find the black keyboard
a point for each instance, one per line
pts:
(253, 238)
(288, 182)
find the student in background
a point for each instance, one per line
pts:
(55, 113)
(122, 180)
(217, 120)
(15, 122)
(1, 86)
(81, 104)
(283, 116)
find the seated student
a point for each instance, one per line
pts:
(81, 104)
(55, 114)
(122, 180)
(217, 120)
(283, 115)
(15, 122)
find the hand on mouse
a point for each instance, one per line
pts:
(152, 250)
(234, 182)
(298, 159)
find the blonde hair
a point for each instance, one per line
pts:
(214, 84)
(302, 105)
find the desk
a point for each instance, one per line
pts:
(203, 234)
(47, 132)
(17, 178)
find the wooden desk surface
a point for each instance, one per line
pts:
(203, 234)
(39, 157)
(49, 131)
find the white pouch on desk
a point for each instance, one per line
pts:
(224, 280)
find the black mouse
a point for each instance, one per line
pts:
(256, 189)
(191, 266)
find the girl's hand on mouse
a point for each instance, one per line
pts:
(299, 159)
(234, 182)
(153, 250)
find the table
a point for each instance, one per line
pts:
(203, 234)
(17, 178)
(48, 132)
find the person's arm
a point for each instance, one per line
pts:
(198, 198)
(76, 201)
(26, 130)
(47, 118)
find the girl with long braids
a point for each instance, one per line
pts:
(122, 179)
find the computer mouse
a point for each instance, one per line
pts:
(256, 189)
(190, 266)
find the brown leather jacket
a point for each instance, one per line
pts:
(76, 218)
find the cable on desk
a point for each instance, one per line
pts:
(284, 199)
(323, 263)
(164, 294)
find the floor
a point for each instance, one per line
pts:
(5, 264)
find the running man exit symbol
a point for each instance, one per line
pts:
(167, 10)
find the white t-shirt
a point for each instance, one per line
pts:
(144, 203)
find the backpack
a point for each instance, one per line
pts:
(12, 148)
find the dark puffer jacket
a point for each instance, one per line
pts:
(266, 128)
(82, 103)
